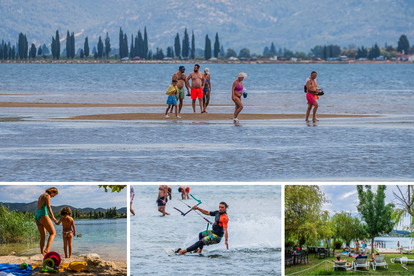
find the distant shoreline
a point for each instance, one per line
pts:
(112, 61)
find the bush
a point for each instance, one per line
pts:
(17, 227)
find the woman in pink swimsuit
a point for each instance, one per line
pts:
(236, 94)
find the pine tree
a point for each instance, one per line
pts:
(86, 48)
(13, 52)
(265, 51)
(207, 49)
(125, 46)
(216, 46)
(33, 51)
(177, 45)
(192, 46)
(100, 48)
(39, 52)
(5, 51)
(145, 46)
(222, 52)
(169, 52)
(45, 50)
(108, 45)
(53, 48)
(72, 46)
(81, 54)
(403, 44)
(132, 50)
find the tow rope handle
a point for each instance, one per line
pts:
(199, 202)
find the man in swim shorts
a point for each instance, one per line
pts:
(311, 91)
(163, 192)
(181, 81)
(185, 191)
(197, 83)
(211, 236)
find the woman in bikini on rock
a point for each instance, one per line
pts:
(43, 221)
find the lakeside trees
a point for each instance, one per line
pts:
(374, 213)
(207, 49)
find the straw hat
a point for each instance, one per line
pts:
(207, 71)
(241, 75)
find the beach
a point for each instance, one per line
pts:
(95, 267)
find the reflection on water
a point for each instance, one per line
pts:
(106, 237)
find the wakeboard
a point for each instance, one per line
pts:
(171, 252)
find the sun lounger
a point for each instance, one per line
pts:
(395, 260)
(339, 265)
(379, 261)
(405, 260)
(361, 262)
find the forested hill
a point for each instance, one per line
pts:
(32, 207)
(295, 24)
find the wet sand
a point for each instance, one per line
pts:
(66, 105)
(94, 267)
(205, 117)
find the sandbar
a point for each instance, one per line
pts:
(100, 267)
(206, 117)
(67, 105)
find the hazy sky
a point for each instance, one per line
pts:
(345, 198)
(80, 196)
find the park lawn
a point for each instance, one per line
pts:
(393, 269)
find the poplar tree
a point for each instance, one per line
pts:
(125, 46)
(86, 48)
(272, 49)
(81, 54)
(57, 42)
(72, 46)
(169, 51)
(5, 51)
(140, 45)
(207, 49)
(121, 44)
(132, 50)
(177, 45)
(33, 51)
(53, 48)
(108, 45)
(374, 212)
(39, 52)
(100, 47)
(13, 52)
(68, 45)
(145, 46)
(192, 46)
(186, 44)
(216, 46)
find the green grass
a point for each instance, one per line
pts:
(16, 227)
(393, 269)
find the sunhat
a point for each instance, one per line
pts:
(241, 75)
(207, 71)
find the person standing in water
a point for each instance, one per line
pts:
(43, 221)
(131, 199)
(163, 192)
(206, 89)
(311, 92)
(181, 81)
(69, 230)
(197, 83)
(211, 236)
(236, 94)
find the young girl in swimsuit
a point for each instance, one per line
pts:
(69, 230)
(237, 93)
(43, 221)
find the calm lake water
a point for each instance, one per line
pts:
(347, 149)
(254, 232)
(106, 237)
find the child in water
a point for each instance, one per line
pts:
(68, 224)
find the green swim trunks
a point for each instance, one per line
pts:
(181, 93)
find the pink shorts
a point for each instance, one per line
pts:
(196, 93)
(311, 98)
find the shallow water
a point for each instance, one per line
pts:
(106, 237)
(35, 147)
(254, 232)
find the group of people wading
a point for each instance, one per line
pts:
(198, 86)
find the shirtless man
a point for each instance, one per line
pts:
(181, 80)
(163, 192)
(311, 92)
(185, 191)
(197, 83)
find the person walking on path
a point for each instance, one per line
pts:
(43, 221)
(197, 83)
(236, 94)
(181, 81)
